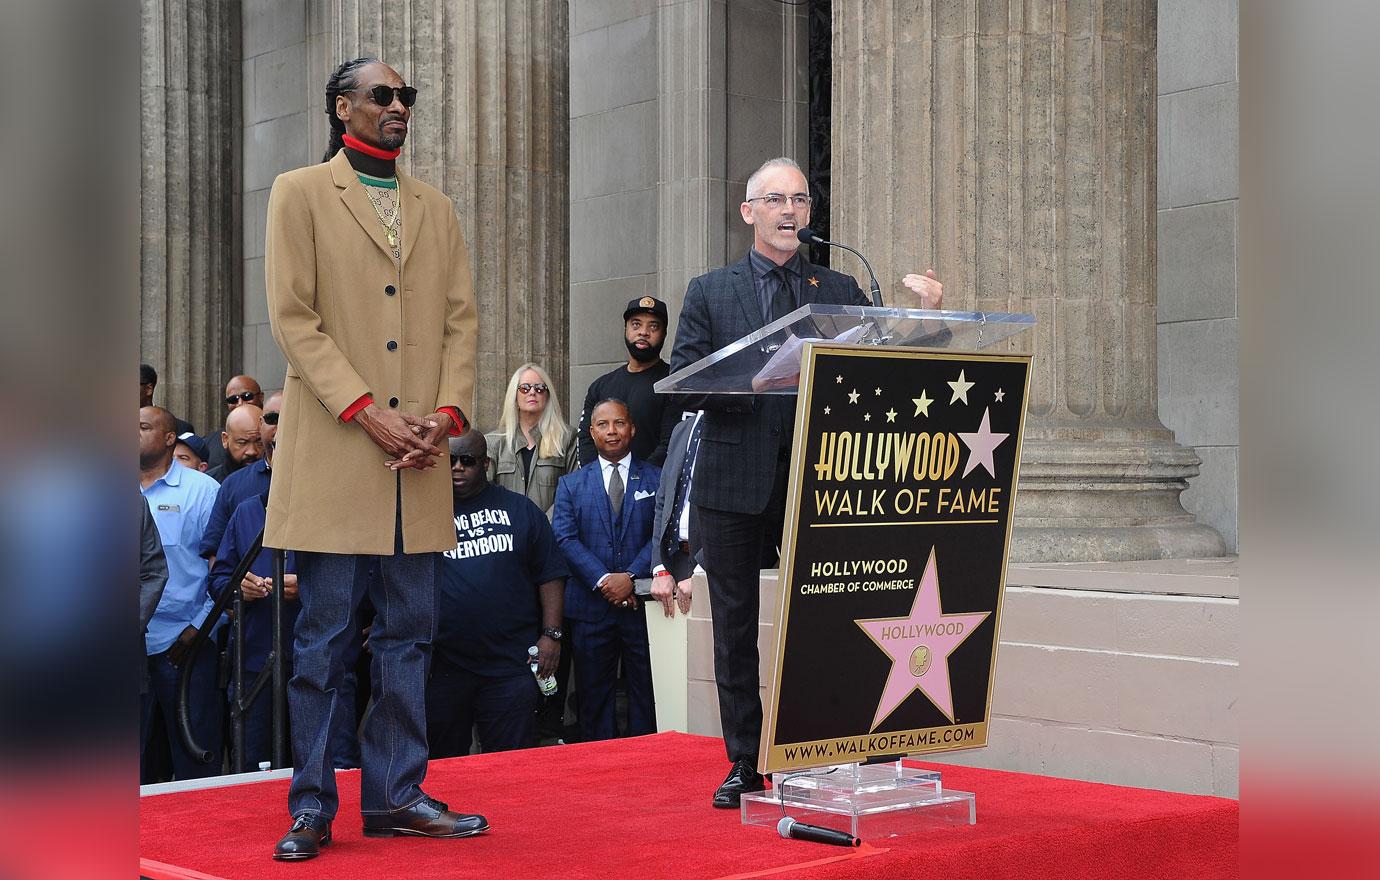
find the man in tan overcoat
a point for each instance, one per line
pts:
(371, 300)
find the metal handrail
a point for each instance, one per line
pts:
(274, 670)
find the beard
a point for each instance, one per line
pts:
(391, 140)
(644, 355)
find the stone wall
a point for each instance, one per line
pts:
(673, 104)
(613, 179)
(277, 110)
(1198, 372)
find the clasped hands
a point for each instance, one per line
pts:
(254, 587)
(617, 590)
(411, 442)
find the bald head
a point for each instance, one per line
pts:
(242, 391)
(157, 437)
(469, 464)
(470, 443)
(161, 419)
(241, 436)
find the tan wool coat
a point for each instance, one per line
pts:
(351, 321)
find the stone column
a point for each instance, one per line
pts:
(1011, 146)
(491, 130)
(732, 93)
(188, 270)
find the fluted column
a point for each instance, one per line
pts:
(491, 130)
(189, 231)
(1011, 145)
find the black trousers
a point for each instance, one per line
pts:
(734, 547)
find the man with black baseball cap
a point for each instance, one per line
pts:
(644, 333)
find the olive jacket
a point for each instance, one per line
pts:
(505, 469)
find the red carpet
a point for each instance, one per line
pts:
(639, 808)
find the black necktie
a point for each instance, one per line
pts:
(782, 297)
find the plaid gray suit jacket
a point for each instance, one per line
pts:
(739, 442)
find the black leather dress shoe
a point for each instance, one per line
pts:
(741, 779)
(426, 818)
(309, 832)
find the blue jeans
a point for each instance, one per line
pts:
(402, 589)
(598, 649)
(504, 708)
(205, 703)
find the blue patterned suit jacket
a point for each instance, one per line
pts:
(593, 543)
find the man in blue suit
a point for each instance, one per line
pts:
(603, 524)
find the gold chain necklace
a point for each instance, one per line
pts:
(388, 221)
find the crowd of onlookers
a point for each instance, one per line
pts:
(563, 533)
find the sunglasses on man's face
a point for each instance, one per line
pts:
(468, 461)
(529, 387)
(383, 95)
(245, 396)
(270, 418)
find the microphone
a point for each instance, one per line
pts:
(788, 827)
(809, 236)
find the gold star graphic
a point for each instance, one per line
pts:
(891, 414)
(960, 387)
(814, 282)
(879, 392)
(853, 396)
(838, 380)
(826, 410)
(922, 403)
(867, 417)
(999, 395)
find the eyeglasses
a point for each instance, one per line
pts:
(529, 387)
(270, 418)
(383, 95)
(245, 396)
(776, 200)
(465, 460)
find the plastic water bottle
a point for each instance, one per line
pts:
(546, 684)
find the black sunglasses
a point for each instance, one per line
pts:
(383, 95)
(465, 460)
(246, 396)
(270, 418)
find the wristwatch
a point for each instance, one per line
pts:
(554, 634)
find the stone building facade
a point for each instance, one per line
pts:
(1076, 159)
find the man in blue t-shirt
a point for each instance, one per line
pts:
(500, 592)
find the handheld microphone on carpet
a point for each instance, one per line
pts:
(809, 236)
(788, 827)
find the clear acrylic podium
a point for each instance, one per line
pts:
(866, 800)
(768, 361)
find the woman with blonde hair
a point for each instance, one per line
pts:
(533, 446)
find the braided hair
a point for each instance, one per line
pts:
(343, 80)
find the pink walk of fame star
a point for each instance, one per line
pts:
(919, 647)
(980, 446)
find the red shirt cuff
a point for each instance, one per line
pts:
(353, 409)
(457, 421)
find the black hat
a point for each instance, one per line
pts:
(649, 304)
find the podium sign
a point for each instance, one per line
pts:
(893, 563)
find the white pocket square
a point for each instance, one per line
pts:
(638, 496)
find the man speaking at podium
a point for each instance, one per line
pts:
(738, 497)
